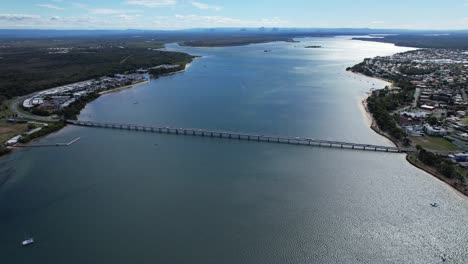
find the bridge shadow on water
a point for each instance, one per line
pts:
(298, 141)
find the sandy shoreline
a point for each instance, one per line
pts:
(373, 125)
(147, 81)
(123, 88)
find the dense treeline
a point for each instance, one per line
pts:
(415, 71)
(361, 68)
(162, 71)
(440, 163)
(40, 112)
(223, 41)
(24, 70)
(442, 41)
(52, 127)
(75, 108)
(382, 102)
(377, 106)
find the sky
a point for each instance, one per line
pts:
(184, 14)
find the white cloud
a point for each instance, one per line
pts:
(116, 19)
(194, 21)
(106, 11)
(152, 3)
(206, 6)
(128, 17)
(57, 1)
(79, 5)
(18, 17)
(377, 22)
(50, 6)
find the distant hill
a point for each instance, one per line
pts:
(458, 40)
(50, 33)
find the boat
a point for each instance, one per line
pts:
(27, 241)
(443, 257)
(434, 204)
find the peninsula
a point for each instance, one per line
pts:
(44, 82)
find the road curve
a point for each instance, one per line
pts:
(15, 107)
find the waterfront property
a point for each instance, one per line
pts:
(61, 97)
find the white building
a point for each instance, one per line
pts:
(28, 103)
(434, 131)
(12, 141)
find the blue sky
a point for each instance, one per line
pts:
(179, 14)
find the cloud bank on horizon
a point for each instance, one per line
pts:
(182, 14)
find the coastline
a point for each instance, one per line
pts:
(232, 43)
(122, 88)
(186, 66)
(363, 102)
(374, 125)
(463, 192)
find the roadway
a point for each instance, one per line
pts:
(15, 106)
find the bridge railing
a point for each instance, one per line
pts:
(238, 135)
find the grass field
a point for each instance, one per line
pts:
(8, 131)
(435, 143)
(464, 121)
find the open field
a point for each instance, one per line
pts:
(435, 143)
(8, 131)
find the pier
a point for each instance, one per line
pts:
(239, 136)
(47, 145)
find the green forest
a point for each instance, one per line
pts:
(382, 102)
(438, 41)
(29, 67)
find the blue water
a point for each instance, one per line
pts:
(133, 197)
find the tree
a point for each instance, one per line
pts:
(432, 121)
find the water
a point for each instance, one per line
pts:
(133, 197)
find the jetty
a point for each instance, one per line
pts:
(47, 144)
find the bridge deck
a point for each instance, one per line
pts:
(239, 136)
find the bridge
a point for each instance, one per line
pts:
(239, 136)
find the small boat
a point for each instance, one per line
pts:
(27, 241)
(443, 257)
(434, 204)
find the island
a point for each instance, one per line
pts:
(313, 47)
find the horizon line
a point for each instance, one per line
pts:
(239, 28)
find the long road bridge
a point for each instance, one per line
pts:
(239, 136)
